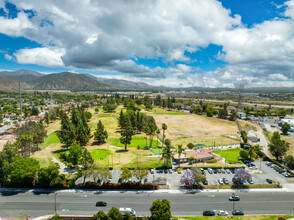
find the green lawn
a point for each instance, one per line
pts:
(136, 141)
(100, 155)
(231, 155)
(251, 217)
(145, 162)
(44, 162)
(156, 150)
(50, 139)
(159, 111)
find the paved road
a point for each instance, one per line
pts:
(83, 203)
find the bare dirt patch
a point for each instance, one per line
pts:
(184, 128)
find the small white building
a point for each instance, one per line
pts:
(290, 121)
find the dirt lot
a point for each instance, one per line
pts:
(185, 128)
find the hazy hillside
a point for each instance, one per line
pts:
(21, 75)
(69, 81)
(124, 84)
(10, 84)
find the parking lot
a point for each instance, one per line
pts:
(173, 178)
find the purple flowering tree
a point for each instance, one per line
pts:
(192, 177)
(242, 174)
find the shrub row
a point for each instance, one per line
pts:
(92, 185)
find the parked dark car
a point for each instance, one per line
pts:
(269, 181)
(205, 182)
(215, 171)
(233, 171)
(219, 170)
(226, 181)
(223, 171)
(100, 203)
(237, 212)
(165, 171)
(208, 213)
(234, 198)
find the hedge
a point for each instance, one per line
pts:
(93, 185)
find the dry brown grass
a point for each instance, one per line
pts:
(183, 129)
(291, 141)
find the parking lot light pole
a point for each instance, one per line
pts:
(55, 202)
(153, 183)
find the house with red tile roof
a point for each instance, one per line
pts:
(202, 154)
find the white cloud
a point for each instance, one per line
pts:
(8, 57)
(17, 26)
(117, 33)
(50, 57)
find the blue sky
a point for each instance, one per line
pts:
(196, 43)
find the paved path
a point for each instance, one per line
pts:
(263, 142)
(63, 168)
(115, 147)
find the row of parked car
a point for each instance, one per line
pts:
(170, 171)
(279, 169)
(215, 171)
(222, 212)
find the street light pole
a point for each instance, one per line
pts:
(55, 202)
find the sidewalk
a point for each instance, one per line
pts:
(167, 191)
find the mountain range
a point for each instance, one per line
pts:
(9, 80)
(65, 81)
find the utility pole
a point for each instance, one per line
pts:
(20, 104)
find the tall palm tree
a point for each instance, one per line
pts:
(164, 127)
(180, 151)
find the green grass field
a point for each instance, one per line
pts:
(165, 111)
(44, 162)
(251, 217)
(145, 162)
(156, 150)
(231, 155)
(100, 155)
(50, 139)
(136, 141)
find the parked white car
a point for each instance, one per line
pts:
(222, 213)
(129, 210)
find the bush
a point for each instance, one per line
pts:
(56, 217)
(211, 161)
(244, 136)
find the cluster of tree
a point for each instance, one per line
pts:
(192, 177)
(75, 129)
(139, 174)
(132, 122)
(19, 171)
(52, 115)
(278, 147)
(165, 103)
(30, 136)
(77, 155)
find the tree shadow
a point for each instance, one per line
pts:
(13, 192)
(121, 151)
(98, 143)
